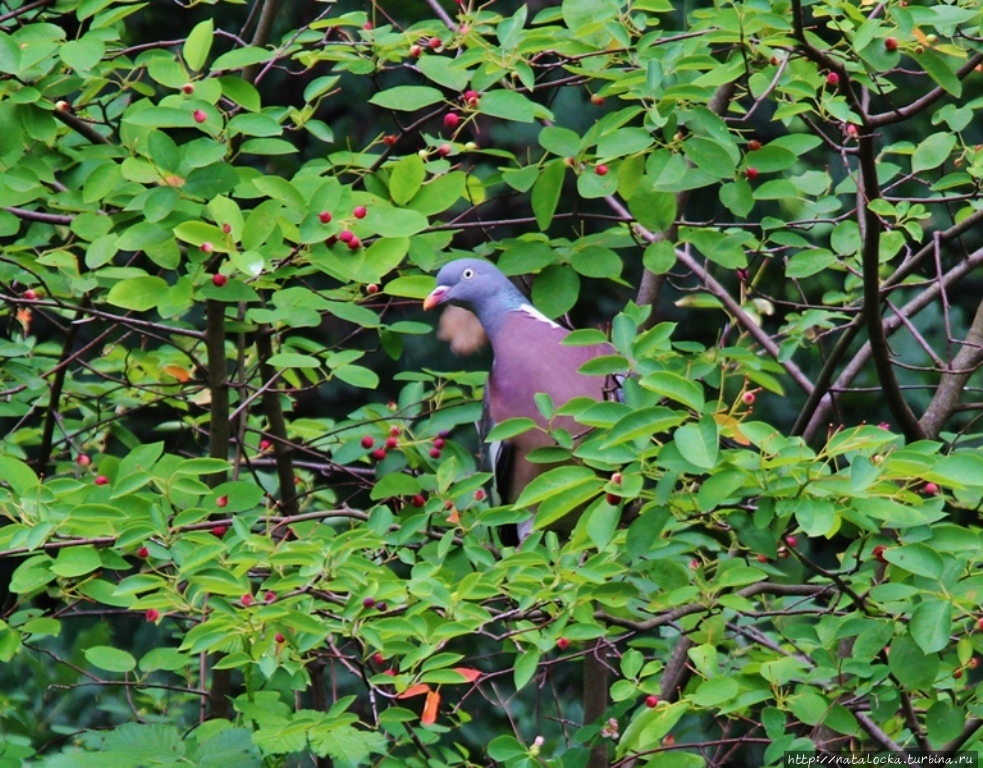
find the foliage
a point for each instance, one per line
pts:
(243, 522)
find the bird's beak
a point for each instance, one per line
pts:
(436, 297)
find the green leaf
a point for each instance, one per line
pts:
(511, 105)
(407, 98)
(198, 44)
(932, 152)
(395, 222)
(553, 482)
(939, 70)
(110, 659)
(916, 558)
(912, 667)
(675, 387)
(654, 210)
(649, 726)
(555, 291)
(76, 561)
(18, 475)
(546, 193)
(715, 691)
(709, 156)
(525, 667)
(560, 141)
(510, 428)
(931, 624)
(137, 293)
(406, 178)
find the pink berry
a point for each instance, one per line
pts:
(471, 98)
(562, 643)
(346, 235)
(207, 247)
(219, 280)
(979, 623)
(439, 442)
(651, 701)
(434, 43)
(390, 139)
(222, 501)
(30, 294)
(762, 558)
(265, 445)
(324, 217)
(596, 99)
(753, 145)
(246, 599)
(152, 614)
(416, 51)
(372, 289)
(360, 211)
(367, 442)
(435, 453)
(930, 489)
(479, 495)
(269, 597)
(832, 78)
(601, 170)
(613, 499)
(791, 541)
(83, 460)
(878, 553)
(395, 430)
(101, 480)
(227, 228)
(278, 637)
(378, 658)
(747, 398)
(367, 25)
(188, 89)
(444, 150)
(199, 115)
(354, 244)
(451, 120)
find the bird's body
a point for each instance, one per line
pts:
(529, 358)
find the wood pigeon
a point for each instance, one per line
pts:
(529, 358)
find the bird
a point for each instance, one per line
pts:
(528, 357)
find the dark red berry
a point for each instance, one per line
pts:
(418, 501)
(379, 454)
(562, 643)
(832, 78)
(219, 280)
(143, 553)
(246, 599)
(219, 530)
(651, 701)
(435, 453)
(152, 614)
(751, 173)
(279, 638)
(753, 145)
(368, 602)
(324, 217)
(891, 43)
(346, 235)
(391, 443)
(878, 553)
(368, 441)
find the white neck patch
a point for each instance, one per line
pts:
(530, 310)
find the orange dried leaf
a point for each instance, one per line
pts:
(429, 716)
(414, 690)
(454, 517)
(468, 673)
(179, 373)
(24, 318)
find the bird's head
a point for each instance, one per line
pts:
(474, 284)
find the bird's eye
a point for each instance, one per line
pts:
(467, 274)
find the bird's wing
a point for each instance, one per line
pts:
(497, 457)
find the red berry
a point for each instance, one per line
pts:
(199, 115)
(367, 25)
(435, 453)
(891, 43)
(418, 501)
(471, 98)
(751, 173)
(379, 454)
(651, 701)
(416, 51)
(368, 602)
(979, 623)
(346, 235)
(63, 106)
(219, 280)
(753, 145)
(668, 740)
(832, 78)
(378, 658)
(931, 489)
(390, 672)
(562, 643)
(246, 599)
(851, 130)
(957, 674)
(439, 442)
(372, 289)
(391, 443)
(613, 499)
(324, 217)
(444, 150)
(101, 480)
(367, 441)
(434, 43)
(219, 531)
(207, 247)
(279, 638)
(30, 294)
(747, 398)
(152, 614)
(601, 170)
(694, 564)
(617, 478)
(354, 244)
(390, 139)
(269, 597)
(973, 663)
(395, 430)
(597, 99)
(451, 120)
(143, 553)
(222, 501)
(762, 558)
(791, 541)
(83, 460)
(188, 88)
(479, 495)
(878, 553)
(360, 211)
(227, 228)
(265, 445)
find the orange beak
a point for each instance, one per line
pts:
(436, 297)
